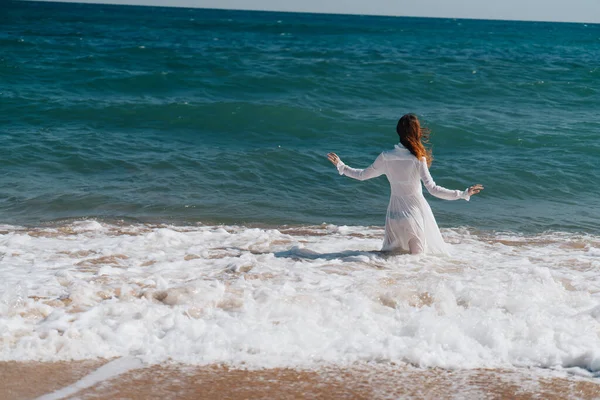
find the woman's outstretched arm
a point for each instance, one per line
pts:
(374, 170)
(442, 192)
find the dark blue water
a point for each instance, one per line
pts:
(191, 115)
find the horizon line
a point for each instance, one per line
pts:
(108, 3)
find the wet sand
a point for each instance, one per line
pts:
(29, 380)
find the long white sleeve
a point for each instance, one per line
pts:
(439, 191)
(374, 170)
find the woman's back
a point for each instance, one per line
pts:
(402, 170)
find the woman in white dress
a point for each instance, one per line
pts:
(409, 225)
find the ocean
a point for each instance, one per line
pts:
(166, 193)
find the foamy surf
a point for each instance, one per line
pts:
(299, 297)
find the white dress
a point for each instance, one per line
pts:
(408, 215)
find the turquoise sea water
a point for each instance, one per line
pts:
(191, 115)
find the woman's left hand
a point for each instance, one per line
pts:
(333, 158)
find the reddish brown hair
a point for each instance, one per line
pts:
(414, 137)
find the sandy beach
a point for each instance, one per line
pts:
(171, 226)
(30, 380)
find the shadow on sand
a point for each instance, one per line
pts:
(297, 253)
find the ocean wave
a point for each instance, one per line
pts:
(297, 296)
(214, 115)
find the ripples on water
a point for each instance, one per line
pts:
(222, 116)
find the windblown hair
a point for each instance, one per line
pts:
(414, 137)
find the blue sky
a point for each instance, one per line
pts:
(531, 10)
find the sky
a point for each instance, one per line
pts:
(529, 10)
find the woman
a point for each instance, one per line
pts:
(409, 225)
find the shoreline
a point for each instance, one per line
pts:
(67, 380)
(127, 225)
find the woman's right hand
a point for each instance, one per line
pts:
(475, 189)
(335, 160)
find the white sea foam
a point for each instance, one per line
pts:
(297, 297)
